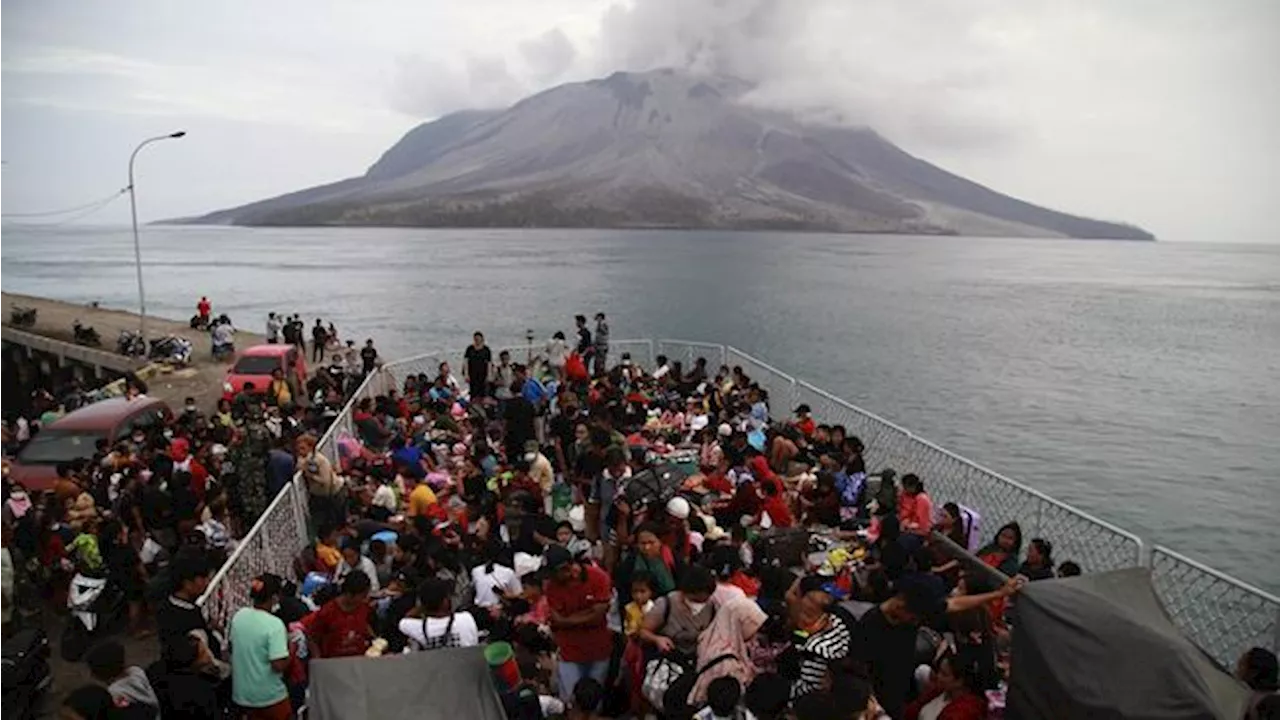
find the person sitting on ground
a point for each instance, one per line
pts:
(353, 560)
(341, 627)
(1069, 568)
(915, 508)
(94, 702)
(180, 685)
(724, 698)
(588, 697)
(436, 624)
(955, 694)
(1259, 669)
(128, 684)
(1039, 562)
(1002, 552)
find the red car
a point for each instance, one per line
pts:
(76, 435)
(256, 364)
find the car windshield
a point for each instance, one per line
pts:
(256, 365)
(53, 446)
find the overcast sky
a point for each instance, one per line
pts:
(1165, 113)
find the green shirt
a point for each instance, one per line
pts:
(257, 638)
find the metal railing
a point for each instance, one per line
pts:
(1223, 615)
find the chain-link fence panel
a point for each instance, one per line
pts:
(1224, 616)
(687, 353)
(270, 546)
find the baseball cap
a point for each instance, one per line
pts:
(265, 586)
(556, 557)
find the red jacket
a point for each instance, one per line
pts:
(969, 706)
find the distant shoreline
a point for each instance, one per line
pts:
(196, 222)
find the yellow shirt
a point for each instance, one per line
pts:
(421, 499)
(328, 555)
(634, 617)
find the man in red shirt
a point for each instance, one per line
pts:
(578, 597)
(204, 308)
(340, 628)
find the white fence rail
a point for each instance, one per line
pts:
(1224, 616)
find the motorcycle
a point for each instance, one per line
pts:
(26, 673)
(94, 605)
(131, 343)
(172, 349)
(85, 335)
(199, 322)
(222, 351)
(22, 316)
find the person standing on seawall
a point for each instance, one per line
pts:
(478, 359)
(319, 338)
(205, 309)
(600, 363)
(274, 326)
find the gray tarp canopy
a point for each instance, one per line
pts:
(451, 683)
(1102, 646)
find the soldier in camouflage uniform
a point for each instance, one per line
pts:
(249, 457)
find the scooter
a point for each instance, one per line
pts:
(85, 335)
(224, 350)
(22, 316)
(199, 322)
(130, 343)
(26, 673)
(171, 349)
(94, 607)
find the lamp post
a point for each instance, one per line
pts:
(137, 250)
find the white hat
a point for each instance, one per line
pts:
(725, 430)
(678, 507)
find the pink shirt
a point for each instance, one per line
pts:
(915, 513)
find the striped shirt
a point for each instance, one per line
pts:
(819, 650)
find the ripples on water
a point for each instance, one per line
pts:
(1140, 381)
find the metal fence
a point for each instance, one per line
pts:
(1224, 616)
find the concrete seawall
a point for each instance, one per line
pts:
(51, 338)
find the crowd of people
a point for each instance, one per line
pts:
(631, 533)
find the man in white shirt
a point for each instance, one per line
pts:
(436, 625)
(274, 325)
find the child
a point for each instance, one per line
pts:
(539, 612)
(577, 547)
(588, 696)
(328, 557)
(641, 602)
(723, 697)
(128, 685)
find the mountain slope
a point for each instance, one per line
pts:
(658, 149)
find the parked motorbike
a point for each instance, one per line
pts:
(85, 335)
(95, 606)
(22, 316)
(199, 322)
(223, 351)
(26, 673)
(171, 349)
(131, 343)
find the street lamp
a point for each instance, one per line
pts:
(137, 251)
